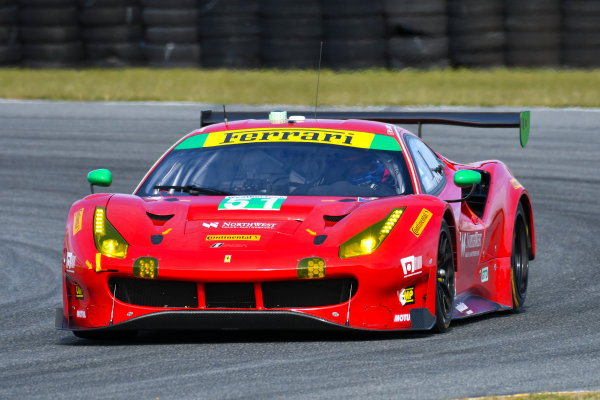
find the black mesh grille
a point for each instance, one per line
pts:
(229, 295)
(307, 293)
(155, 293)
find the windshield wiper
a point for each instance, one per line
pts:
(193, 190)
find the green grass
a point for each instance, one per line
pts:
(500, 87)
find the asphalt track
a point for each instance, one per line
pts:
(46, 150)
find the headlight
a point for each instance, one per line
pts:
(367, 241)
(108, 240)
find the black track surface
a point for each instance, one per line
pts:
(46, 150)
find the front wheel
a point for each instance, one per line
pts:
(445, 281)
(519, 260)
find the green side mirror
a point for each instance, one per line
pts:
(524, 127)
(99, 177)
(466, 178)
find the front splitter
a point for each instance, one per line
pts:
(421, 319)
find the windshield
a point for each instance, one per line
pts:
(287, 169)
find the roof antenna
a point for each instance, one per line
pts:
(225, 116)
(318, 79)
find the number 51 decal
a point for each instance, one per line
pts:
(252, 203)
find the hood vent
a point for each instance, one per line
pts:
(331, 220)
(159, 220)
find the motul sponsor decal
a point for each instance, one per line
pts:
(402, 318)
(470, 241)
(412, 265)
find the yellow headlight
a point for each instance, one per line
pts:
(367, 241)
(107, 239)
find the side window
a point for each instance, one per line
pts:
(429, 167)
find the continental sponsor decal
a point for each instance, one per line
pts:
(421, 222)
(364, 140)
(233, 237)
(77, 218)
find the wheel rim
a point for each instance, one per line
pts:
(445, 278)
(520, 259)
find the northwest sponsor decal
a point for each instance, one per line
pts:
(421, 222)
(233, 237)
(241, 225)
(77, 218)
(406, 295)
(470, 241)
(402, 318)
(268, 203)
(412, 265)
(329, 136)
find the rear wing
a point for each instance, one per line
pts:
(519, 120)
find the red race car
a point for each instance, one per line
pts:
(343, 221)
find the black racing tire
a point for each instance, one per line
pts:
(408, 25)
(291, 28)
(475, 25)
(532, 7)
(170, 16)
(519, 259)
(290, 53)
(228, 7)
(167, 34)
(483, 41)
(574, 40)
(228, 26)
(54, 52)
(117, 51)
(368, 27)
(45, 3)
(291, 9)
(532, 40)
(9, 15)
(100, 335)
(533, 58)
(349, 8)
(188, 54)
(411, 7)
(113, 34)
(474, 8)
(49, 16)
(235, 48)
(49, 34)
(582, 57)
(109, 3)
(581, 23)
(533, 23)
(168, 4)
(102, 16)
(484, 59)
(9, 34)
(10, 55)
(418, 48)
(581, 7)
(445, 287)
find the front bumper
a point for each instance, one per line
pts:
(421, 319)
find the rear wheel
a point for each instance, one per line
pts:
(519, 260)
(445, 280)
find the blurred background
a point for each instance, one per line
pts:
(249, 34)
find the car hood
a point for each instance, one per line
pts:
(201, 222)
